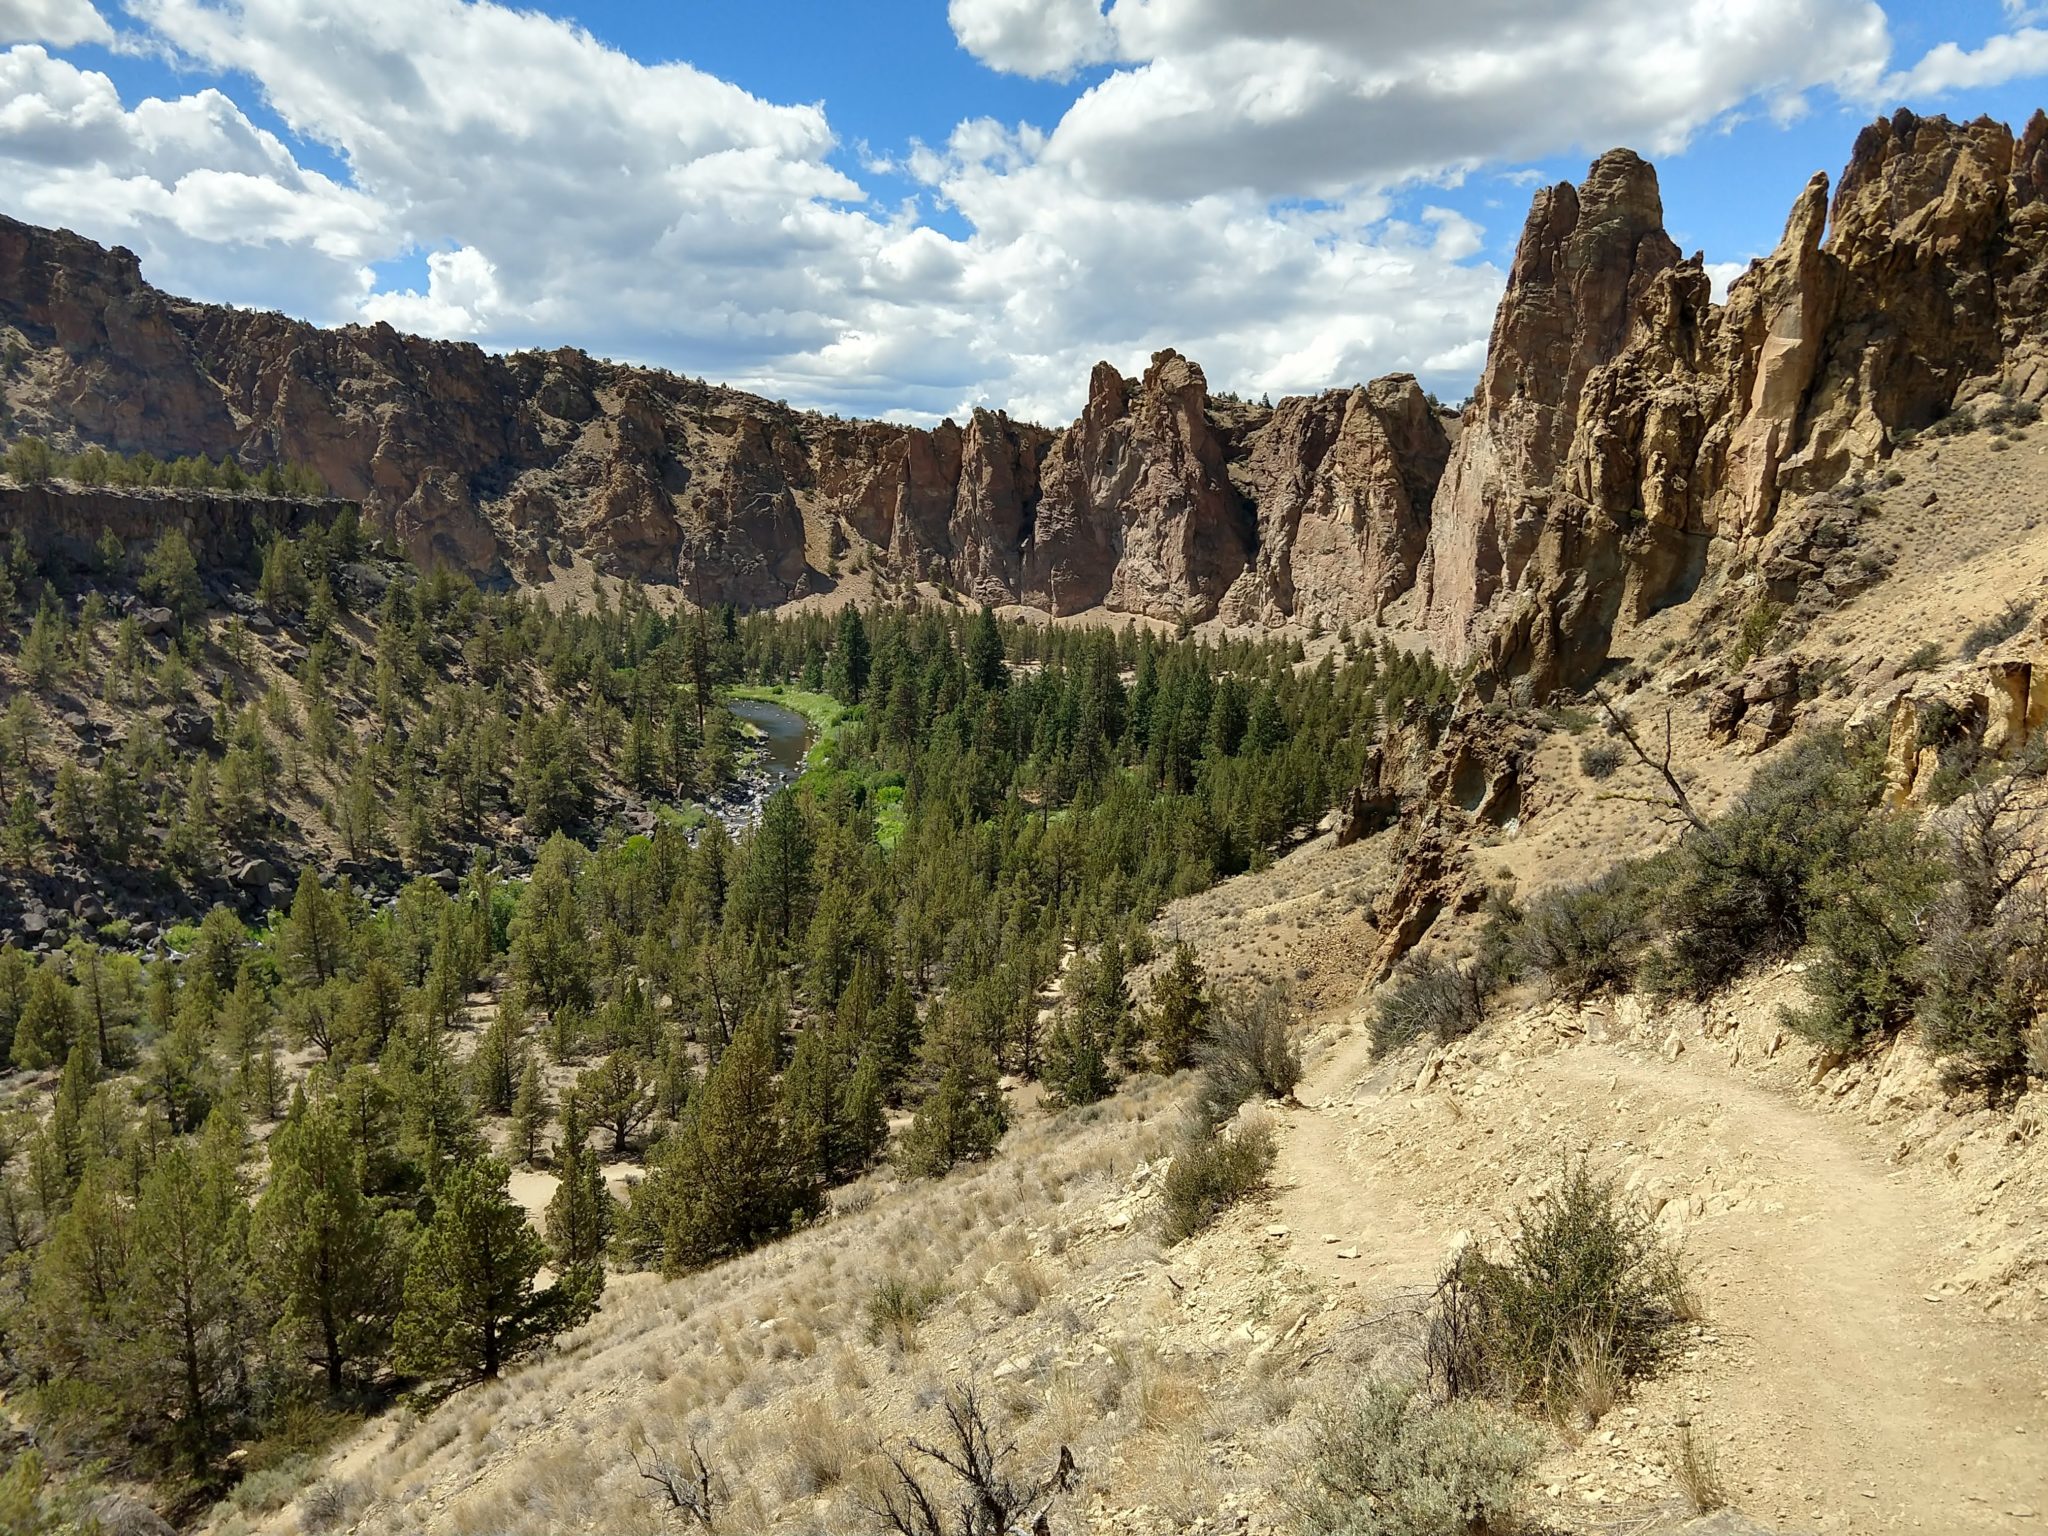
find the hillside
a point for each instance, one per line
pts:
(1527, 1018)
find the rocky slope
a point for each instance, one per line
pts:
(1160, 500)
(1628, 432)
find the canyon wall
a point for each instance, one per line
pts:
(1627, 431)
(1161, 500)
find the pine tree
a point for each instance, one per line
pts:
(184, 1300)
(470, 1306)
(985, 651)
(314, 937)
(171, 576)
(48, 1021)
(323, 1261)
(530, 1112)
(579, 1217)
(846, 675)
(731, 1176)
(618, 1097)
(962, 1117)
(493, 1069)
(1077, 1060)
(77, 1291)
(1180, 1010)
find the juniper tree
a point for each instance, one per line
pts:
(326, 1266)
(579, 1216)
(530, 1112)
(470, 1305)
(184, 1304)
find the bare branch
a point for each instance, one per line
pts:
(688, 1491)
(1681, 802)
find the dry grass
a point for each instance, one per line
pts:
(1697, 1471)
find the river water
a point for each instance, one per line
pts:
(777, 759)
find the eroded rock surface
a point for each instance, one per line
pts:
(1627, 427)
(1162, 499)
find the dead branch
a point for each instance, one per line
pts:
(992, 1502)
(1660, 765)
(688, 1491)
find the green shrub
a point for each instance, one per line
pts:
(1923, 657)
(898, 1305)
(1600, 760)
(1211, 1173)
(1247, 1051)
(1864, 978)
(1743, 888)
(1428, 996)
(1983, 966)
(1986, 988)
(1586, 1290)
(1588, 939)
(1996, 630)
(1390, 1463)
(1758, 625)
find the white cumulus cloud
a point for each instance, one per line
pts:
(1262, 185)
(60, 23)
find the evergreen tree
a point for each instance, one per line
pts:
(171, 576)
(985, 651)
(530, 1112)
(470, 1306)
(731, 1176)
(579, 1217)
(846, 675)
(184, 1300)
(962, 1116)
(324, 1263)
(618, 1097)
(48, 1022)
(314, 938)
(1077, 1069)
(1180, 1010)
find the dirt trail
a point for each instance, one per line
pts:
(1846, 1393)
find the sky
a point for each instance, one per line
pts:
(912, 208)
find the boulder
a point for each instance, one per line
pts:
(254, 874)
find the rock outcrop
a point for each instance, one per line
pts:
(1341, 483)
(1627, 428)
(223, 528)
(1161, 499)
(1991, 706)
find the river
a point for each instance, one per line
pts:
(775, 760)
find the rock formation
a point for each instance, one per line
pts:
(1627, 437)
(1161, 500)
(1626, 427)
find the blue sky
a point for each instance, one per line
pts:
(914, 209)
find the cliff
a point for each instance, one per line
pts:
(1627, 431)
(1161, 500)
(1628, 436)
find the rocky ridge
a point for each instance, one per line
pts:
(1630, 440)
(1629, 435)
(1162, 499)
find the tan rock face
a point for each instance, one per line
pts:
(1156, 501)
(1627, 428)
(1341, 484)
